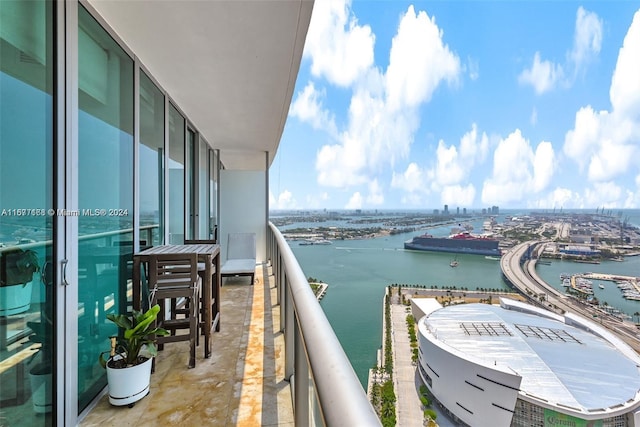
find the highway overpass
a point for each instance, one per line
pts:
(520, 272)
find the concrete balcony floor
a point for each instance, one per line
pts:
(241, 384)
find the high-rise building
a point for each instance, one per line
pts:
(119, 113)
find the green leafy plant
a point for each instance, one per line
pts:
(18, 267)
(137, 331)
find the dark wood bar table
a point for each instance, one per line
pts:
(209, 254)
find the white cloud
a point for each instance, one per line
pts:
(418, 61)
(413, 200)
(413, 180)
(543, 75)
(559, 198)
(375, 196)
(308, 108)
(543, 166)
(285, 200)
(625, 84)
(448, 168)
(605, 194)
(449, 174)
(339, 48)
(383, 112)
(582, 141)
(587, 39)
(337, 167)
(454, 164)
(473, 147)
(605, 142)
(317, 201)
(632, 200)
(355, 202)
(518, 171)
(458, 195)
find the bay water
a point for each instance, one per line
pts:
(358, 271)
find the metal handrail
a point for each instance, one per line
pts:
(341, 400)
(86, 237)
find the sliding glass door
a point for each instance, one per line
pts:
(151, 163)
(176, 176)
(27, 288)
(105, 195)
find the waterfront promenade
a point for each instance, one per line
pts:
(408, 406)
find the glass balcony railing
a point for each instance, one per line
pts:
(326, 390)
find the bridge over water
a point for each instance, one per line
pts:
(518, 268)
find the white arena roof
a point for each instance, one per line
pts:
(562, 364)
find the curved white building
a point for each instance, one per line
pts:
(518, 365)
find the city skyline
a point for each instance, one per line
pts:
(414, 105)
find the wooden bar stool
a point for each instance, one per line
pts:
(172, 278)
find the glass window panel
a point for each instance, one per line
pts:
(213, 194)
(26, 230)
(191, 173)
(105, 195)
(151, 162)
(203, 208)
(176, 176)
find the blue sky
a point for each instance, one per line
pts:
(472, 104)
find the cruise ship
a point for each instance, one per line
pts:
(461, 243)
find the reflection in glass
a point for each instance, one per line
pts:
(213, 194)
(203, 208)
(26, 189)
(191, 172)
(151, 163)
(176, 176)
(105, 187)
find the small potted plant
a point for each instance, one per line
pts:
(17, 268)
(129, 371)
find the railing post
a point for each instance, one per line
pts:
(301, 389)
(289, 330)
(282, 284)
(277, 273)
(326, 389)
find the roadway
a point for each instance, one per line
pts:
(524, 278)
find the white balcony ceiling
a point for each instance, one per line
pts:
(230, 66)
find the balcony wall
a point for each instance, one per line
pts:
(243, 207)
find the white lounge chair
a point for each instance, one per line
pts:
(241, 256)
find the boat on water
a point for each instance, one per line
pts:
(493, 258)
(461, 243)
(309, 242)
(601, 286)
(454, 262)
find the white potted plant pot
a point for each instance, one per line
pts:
(15, 299)
(41, 388)
(130, 384)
